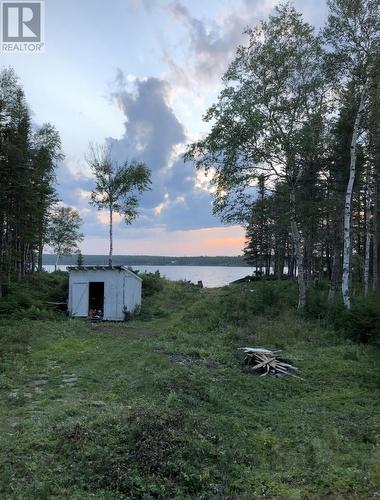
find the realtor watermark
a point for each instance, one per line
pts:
(22, 27)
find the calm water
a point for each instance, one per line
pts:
(211, 276)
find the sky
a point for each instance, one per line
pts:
(140, 74)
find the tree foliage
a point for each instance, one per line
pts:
(118, 186)
(268, 119)
(63, 232)
(27, 162)
(300, 111)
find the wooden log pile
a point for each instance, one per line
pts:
(266, 362)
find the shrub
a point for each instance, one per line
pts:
(28, 298)
(259, 297)
(362, 322)
(152, 283)
(316, 303)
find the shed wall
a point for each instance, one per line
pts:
(120, 289)
(132, 293)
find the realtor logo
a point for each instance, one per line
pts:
(22, 26)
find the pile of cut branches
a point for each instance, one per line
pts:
(265, 362)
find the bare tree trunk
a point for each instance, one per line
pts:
(347, 236)
(321, 270)
(32, 263)
(40, 251)
(261, 262)
(375, 247)
(268, 264)
(18, 257)
(298, 250)
(23, 260)
(368, 235)
(336, 263)
(56, 262)
(111, 238)
(279, 260)
(366, 259)
(291, 271)
(308, 251)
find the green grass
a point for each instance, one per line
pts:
(161, 407)
(29, 298)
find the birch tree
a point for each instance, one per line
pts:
(268, 119)
(63, 233)
(353, 32)
(118, 186)
(374, 144)
(368, 228)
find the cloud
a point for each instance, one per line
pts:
(161, 206)
(179, 199)
(74, 188)
(136, 6)
(103, 217)
(152, 128)
(154, 134)
(212, 43)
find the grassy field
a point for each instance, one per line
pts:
(161, 407)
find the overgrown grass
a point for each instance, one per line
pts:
(29, 298)
(361, 323)
(161, 407)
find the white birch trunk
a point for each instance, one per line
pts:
(111, 238)
(347, 237)
(56, 262)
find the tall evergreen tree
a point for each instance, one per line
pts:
(27, 162)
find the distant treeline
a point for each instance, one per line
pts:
(148, 260)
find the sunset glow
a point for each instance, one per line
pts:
(210, 241)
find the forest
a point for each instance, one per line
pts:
(294, 147)
(31, 214)
(28, 157)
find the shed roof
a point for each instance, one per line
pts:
(103, 268)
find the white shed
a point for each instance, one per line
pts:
(103, 292)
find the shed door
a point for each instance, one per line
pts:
(79, 299)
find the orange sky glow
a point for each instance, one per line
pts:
(208, 241)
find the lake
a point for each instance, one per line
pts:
(211, 276)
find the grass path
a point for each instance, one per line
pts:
(162, 408)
